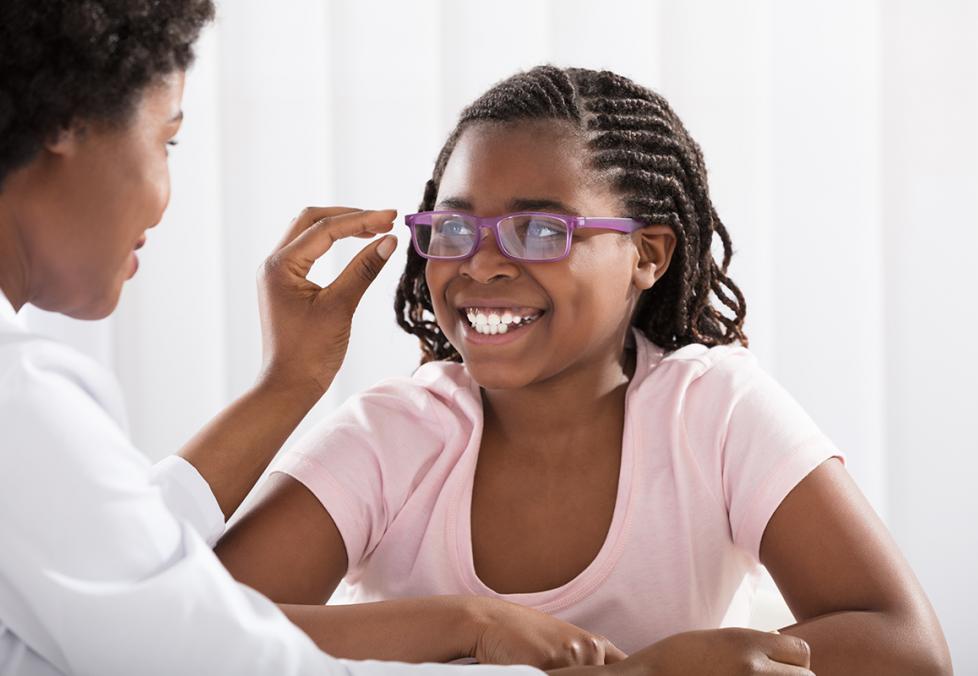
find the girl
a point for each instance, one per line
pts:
(588, 435)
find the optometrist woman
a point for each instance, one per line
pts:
(105, 561)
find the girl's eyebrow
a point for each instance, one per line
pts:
(518, 204)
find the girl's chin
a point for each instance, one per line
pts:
(498, 376)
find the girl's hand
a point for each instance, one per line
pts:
(509, 633)
(306, 328)
(718, 652)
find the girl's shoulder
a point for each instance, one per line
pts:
(693, 361)
(440, 393)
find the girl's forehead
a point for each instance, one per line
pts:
(495, 163)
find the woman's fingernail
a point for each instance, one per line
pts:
(386, 247)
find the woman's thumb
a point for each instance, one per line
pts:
(364, 268)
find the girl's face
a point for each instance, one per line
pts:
(582, 304)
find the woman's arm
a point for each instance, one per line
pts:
(861, 609)
(305, 332)
(288, 547)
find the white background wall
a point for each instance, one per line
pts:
(842, 140)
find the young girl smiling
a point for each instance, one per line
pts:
(588, 436)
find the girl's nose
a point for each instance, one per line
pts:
(489, 263)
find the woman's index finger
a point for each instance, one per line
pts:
(307, 217)
(317, 239)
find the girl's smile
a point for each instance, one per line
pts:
(497, 323)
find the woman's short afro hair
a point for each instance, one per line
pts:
(68, 61)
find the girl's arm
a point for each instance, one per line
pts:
(859, 605)
(861, 609)
(288, 548)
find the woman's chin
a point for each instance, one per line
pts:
(98, 309)
(94, 306)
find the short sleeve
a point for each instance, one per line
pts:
(363, 462)
(754, 440)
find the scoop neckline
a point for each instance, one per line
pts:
(587, 580)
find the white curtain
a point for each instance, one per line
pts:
(842, 141)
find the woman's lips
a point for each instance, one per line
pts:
(133, 265)
(133, 258)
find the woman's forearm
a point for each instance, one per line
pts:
(874, 642)
(432, 629)
(233, 450)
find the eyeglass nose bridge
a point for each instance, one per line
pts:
(486, 230)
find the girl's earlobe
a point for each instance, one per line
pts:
(655, 245)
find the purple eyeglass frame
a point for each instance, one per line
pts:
(625, 225)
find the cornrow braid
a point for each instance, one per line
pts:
(634, 136)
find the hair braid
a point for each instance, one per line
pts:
(634, 136)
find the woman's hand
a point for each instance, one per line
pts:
(305, 331)
(508, 633)
(717, 652)
(305, 327)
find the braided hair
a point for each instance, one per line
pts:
(633, 134)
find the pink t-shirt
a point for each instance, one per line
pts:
(711, 446)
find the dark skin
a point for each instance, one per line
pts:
(859, 606)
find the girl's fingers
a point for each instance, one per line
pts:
(307, 217)
(612, 653)
(319, 237)
(778, 669)
(789, 650)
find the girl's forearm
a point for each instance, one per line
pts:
(432, 629)
(874, 642)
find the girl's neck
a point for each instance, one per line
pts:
(573, 405)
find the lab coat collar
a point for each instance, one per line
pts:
(6, 309)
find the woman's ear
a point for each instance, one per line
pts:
(655, 244)
(64, 141)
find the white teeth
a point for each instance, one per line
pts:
(493, 323)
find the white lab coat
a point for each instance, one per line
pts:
(105, 561)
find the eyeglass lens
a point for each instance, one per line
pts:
(522, 236)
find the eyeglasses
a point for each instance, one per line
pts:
(529, 236)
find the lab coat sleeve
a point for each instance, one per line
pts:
(189, 497)
(97, 576)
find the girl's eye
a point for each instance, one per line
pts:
(455, 227)
(538, 228)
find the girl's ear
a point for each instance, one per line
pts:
(655, 244)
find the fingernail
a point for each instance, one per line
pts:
(386, 247)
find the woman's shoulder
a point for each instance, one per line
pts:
(36, 371)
